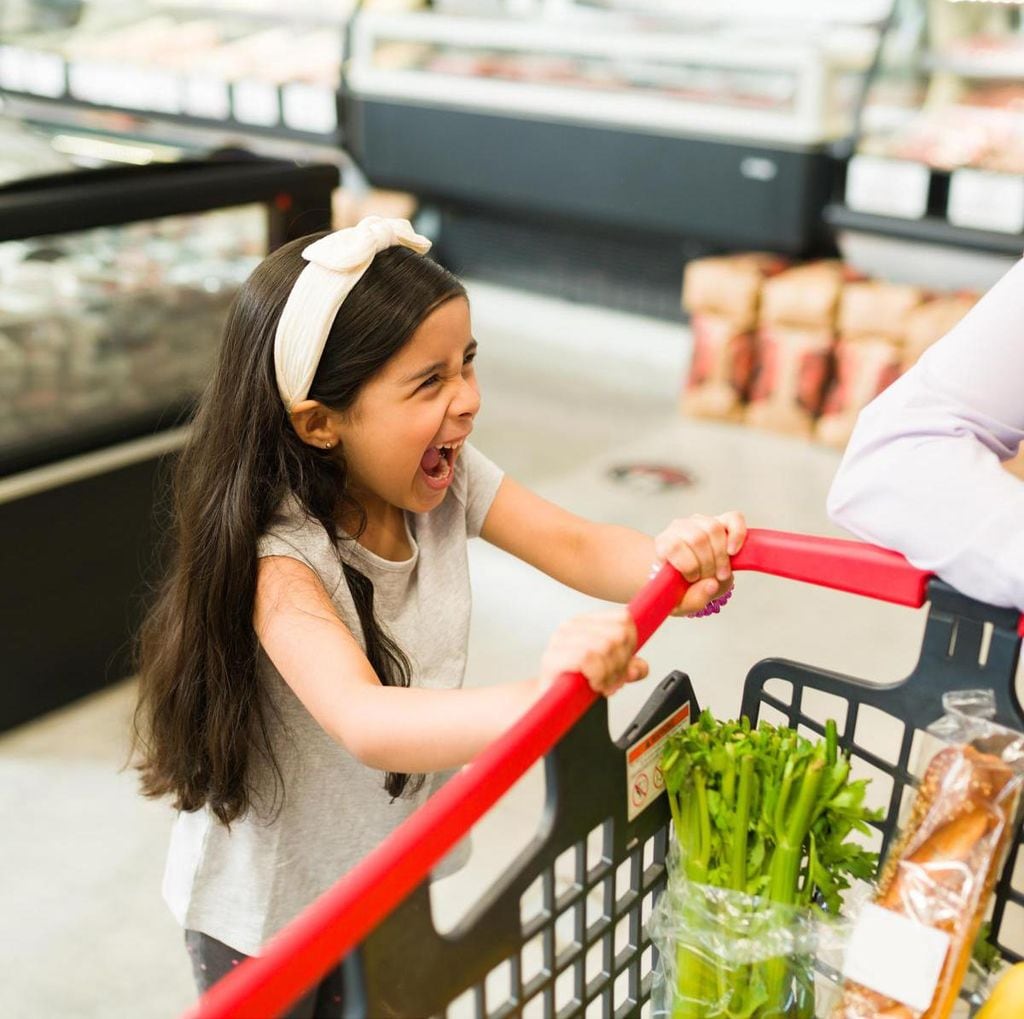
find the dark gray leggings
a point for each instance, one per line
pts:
(212, 959)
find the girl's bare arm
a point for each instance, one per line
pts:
(411, 729)
(605, 560)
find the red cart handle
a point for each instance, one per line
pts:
(842, 565)
(341, 918)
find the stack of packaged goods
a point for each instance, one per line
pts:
(723, 298)
(802, 350)
(795, 341)
(869, 353)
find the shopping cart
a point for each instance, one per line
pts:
(603, 810)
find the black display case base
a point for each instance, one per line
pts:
(85, 558)
(729, 193)
(626, 271)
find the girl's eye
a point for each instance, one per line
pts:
(430, 383)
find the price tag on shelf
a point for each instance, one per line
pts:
(888, 187)
(983, 200)
(44, 74)
(312, 108)
(207, 98)
(92, 81)
(162, 90)
(256, 103)
(12, 68)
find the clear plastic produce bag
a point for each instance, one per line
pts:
(727, 955)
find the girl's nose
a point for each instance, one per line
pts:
(467, 400)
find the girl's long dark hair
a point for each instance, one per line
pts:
(202, 725)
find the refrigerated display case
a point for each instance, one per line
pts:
(173, 69)
(937, 157)
(690, 118)
(114, 287)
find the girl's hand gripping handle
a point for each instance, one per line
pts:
(840, 564)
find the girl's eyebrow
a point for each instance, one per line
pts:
(437, 365)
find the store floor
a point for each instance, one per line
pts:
(569, 394)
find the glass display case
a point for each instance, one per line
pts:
(938, 150)
(114, 288)
(949, 91)
(680, 69)
(689, 118)
(117, 324)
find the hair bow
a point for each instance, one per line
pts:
(336, 264)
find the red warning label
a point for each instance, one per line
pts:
(644, 780)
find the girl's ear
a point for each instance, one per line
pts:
(314, 424)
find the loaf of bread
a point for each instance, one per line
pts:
(943, 868)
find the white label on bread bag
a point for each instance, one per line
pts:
(982, 200)
(888, 187)
(896, 956)
(644, 780)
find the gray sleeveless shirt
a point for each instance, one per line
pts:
(242, 885)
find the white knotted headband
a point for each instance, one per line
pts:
(336, 264)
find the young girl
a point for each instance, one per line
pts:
(301, 669)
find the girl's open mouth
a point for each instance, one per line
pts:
(438, 464)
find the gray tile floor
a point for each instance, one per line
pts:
(569, 392)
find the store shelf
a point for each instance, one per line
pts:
(938, 151)
(190, 134)
(823, 12)
(928, 230)
(294, 111)
(259, 73)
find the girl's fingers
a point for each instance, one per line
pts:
(599, 645)
(638, 669)
(671, 547)
(688, 548)
(718, 538)
(736, 527)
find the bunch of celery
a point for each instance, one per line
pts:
(768, 814)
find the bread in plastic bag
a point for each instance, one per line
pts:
(941, 871)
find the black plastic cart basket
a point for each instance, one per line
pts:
(604, 809)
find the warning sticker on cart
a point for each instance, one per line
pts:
(644, 780)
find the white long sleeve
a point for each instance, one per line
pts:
(922, 472)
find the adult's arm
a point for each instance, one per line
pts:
(922, 473)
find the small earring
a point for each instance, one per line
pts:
(328, 445)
